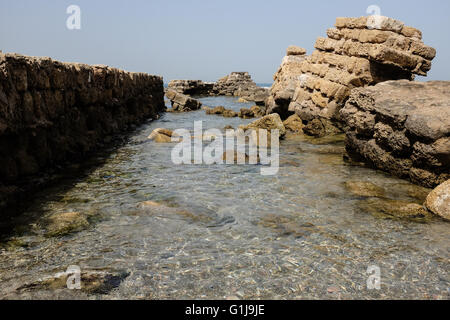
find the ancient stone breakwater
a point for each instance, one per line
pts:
(357, 53)
(51, 111)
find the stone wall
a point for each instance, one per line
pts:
(286, 81)
(51, 112)
(358, 52)
(402, 127)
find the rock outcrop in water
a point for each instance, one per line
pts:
(402, 127)
(181, 102)
(51, 111)
(236, 84)
(357, 53)
(191, 87)
(240, 84)
(269, 122)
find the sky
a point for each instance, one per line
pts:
(201, 39)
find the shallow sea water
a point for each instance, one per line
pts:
(226, 231)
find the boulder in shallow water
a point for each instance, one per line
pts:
(364, 189)
(246, 113)
(230, 114)
(438, 201)
(216, 110)
(269, 122)
(161, 135)
(181, 102)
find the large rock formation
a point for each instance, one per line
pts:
(240, 84)
(191, 87)
(51, 112)
(286, 81)
(357, 53)
(181, 102)
(402, 127)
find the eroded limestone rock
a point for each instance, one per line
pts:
(181, 102)
(269, 122)
(402, 127)
(358, 52)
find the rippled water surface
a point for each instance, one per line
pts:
(226, 231)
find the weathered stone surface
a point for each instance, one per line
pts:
(269, 122)
(358, 52)
(181, 102)
(230, 114)
(245, 113)
(402, 127)
(216, 110)
(294, 124)
(53, 112)
(285, 82)
(438, 201)
(295, 51)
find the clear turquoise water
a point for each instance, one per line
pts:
(227, 231)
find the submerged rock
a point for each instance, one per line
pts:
(61, 224)
(386, 208)
(438, 201)
(365, 189)
(287, 226)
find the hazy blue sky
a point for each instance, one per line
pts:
(200, 39)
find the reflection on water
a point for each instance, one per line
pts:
(144, 228)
